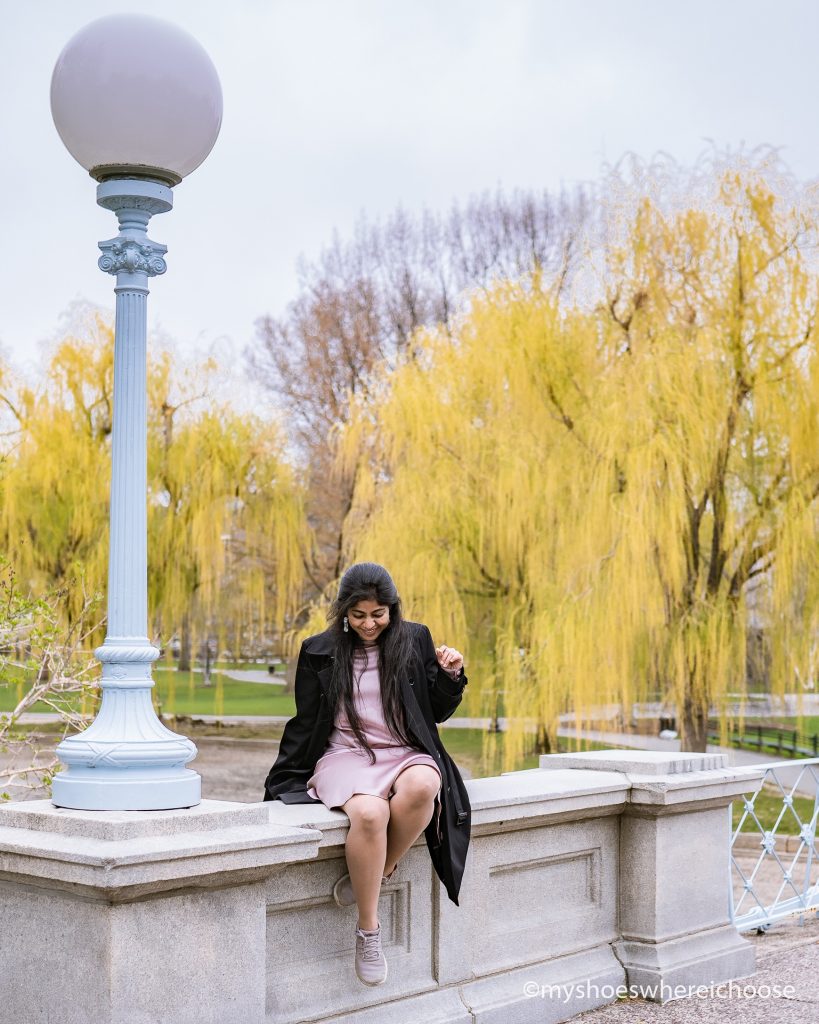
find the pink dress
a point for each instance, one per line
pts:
(344, 768)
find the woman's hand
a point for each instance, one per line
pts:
(449, 659)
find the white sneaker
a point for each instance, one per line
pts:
(370, 962)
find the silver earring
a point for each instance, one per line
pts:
(346, 625)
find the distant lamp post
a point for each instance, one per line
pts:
(137, 102)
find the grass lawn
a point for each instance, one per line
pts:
(225, 666)
(809, 726)
(184, 693)
(465, 746)
(809, 723)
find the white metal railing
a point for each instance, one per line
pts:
(795, 871)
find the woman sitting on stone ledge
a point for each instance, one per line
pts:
(369, 690)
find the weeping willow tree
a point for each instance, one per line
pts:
(56, 470)
(593, 504)
(713, 313)
(225, 518)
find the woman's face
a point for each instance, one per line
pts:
(369, 619)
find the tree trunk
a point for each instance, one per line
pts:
(543, 744)
(290, 676)
(184, 664)
(206, 658)
(694, 726)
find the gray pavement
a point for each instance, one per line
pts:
(243, 675)
(783, 990)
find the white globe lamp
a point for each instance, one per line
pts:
(138, 96)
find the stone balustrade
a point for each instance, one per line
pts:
(592, 872)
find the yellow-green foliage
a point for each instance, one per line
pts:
(56, 473)
(582, 500)
(225, 518)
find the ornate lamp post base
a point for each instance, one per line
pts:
(138, 789)
(126, 760)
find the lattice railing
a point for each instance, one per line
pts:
(787, 861)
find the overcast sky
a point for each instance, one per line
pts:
(337, 106)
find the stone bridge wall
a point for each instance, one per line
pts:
(591, 872)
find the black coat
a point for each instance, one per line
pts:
(429, 694)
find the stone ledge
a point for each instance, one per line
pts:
(332, 825)
(441, 1006)
(528, 797)
(545, 796)
(705, 789)
(521, 787)
(636, 762)
(661, 782)
(45, 816)
(225, 844)
(545, 992)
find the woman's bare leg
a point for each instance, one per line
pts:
(365, 849)
(411, 809)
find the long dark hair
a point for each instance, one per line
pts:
(368, 581)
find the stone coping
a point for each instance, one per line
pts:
(564, 785)
(659, 780)
(501, 799)
(115, 855)
(637, 762)
(206, 816)
(534, 783)
(121, 855)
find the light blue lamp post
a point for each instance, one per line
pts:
(137, 102)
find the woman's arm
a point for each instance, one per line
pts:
(445, 692)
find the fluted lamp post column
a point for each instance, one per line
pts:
(137, 102)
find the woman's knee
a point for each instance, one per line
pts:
(418, 784)
(367, 812)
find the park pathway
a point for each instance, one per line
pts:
(247, 675)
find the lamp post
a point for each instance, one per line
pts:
(137, 102)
